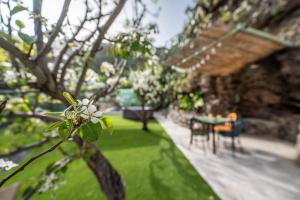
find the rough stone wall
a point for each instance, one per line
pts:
(269, 89)
(269, 92)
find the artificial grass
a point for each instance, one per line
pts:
(152, 166)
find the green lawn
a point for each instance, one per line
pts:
(150, 163)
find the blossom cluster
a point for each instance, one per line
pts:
(7, 164)
(10, 76)
(84, 110)
(89, 111)
(49, 182)
(107, 68)
(95, 81)
(146, 83)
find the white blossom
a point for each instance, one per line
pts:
(146, 83)
(83, 102)
(10, 76)
(7, 164)
(112, 81)
(49, 182)
(71, 78)
(107, 68)
(89, 111)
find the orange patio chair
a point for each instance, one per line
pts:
(228, 126)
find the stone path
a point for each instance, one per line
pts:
(263, 171)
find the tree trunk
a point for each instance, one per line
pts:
(110, 181)
(144, 115)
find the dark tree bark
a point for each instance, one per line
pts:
(144, 114)
(110, 181)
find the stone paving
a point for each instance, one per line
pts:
(263, 170)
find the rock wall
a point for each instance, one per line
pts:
(266, 94)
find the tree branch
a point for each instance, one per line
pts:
(37, 9)
(2, 105)
(54, 168)
(17, 91)
(55, 32)
(102, 31)
(26, 148)
(22, 167)
(109, 90)
(16, 52)
(38, 116)
(24, 58)
(66, 46)
(4, 85)
(65, 66)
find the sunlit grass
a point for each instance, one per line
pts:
(150, 163)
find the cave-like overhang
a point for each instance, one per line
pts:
(222, 49)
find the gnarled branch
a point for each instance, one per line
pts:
(55, 32)
(26, 148)
(16, 52)
(102, 31)
(66, 46)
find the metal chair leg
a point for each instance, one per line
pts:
(191, 140)
(203, 145)
(240, 144)
(233, 146)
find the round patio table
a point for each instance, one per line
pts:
(211, 122)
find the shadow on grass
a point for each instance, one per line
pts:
(126, 139)
(181, 167)
(166, 170)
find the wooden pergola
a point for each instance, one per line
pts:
(222, 50)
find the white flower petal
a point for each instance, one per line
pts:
(85, 102)
(84, 110)
(92, 108)
(94, 120)
(98, 114)
(84, 116)
(79, 102)
(7, 165)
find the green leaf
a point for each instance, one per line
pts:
(55, 125)
(5, 35)
(108, 124)
(90, 131)
(18, 8)
(135, 46)
(65, 129)
(27, 190)
(49, 166)
(20, 24)
(70, 99)
(125, 54)
(26, 38)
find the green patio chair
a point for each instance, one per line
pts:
(199, 131)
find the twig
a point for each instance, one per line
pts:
(2, 105)
(55, 169)
(22, 167)
(26, 148)
(10, 92)
(36, 115)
